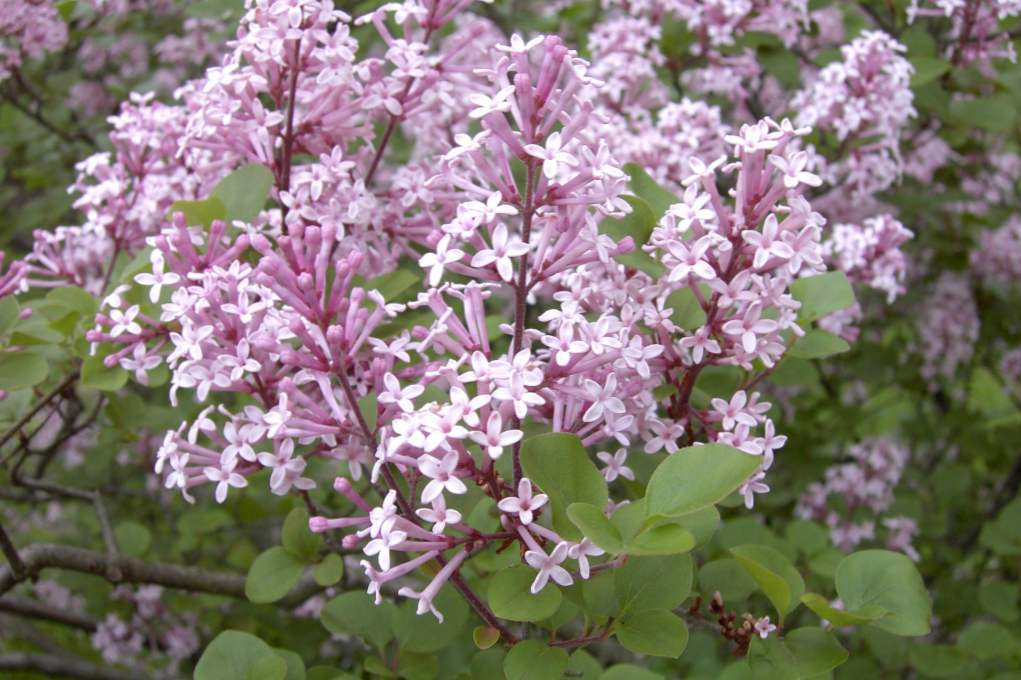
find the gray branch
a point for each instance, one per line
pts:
(23, 606)
(55, 666)
(41, 556)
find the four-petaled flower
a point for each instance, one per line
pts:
(763, 627)
(439, 514)
(441, 476)
(225, 477)
(549, 567)
(394, 394)
(124, 322)
(158, 278)
(524, 504)
(435, 261)
(603, 397)
(616, 465)
(504, 248)
(485, 105)
(495, 438)
(552, 155)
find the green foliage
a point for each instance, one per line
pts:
(272, 575)
(557, 462)
(354, 613)
(235, 654)
(696, 477)
(656, 632)
(532, 660)
(684, 535)
(510, 597)
(774, 573)
(243, 193)
(297, 538)
(802, 653)
(889, 580)
(821, 295)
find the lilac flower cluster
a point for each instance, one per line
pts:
(977, 35)
(124, 195)
(997, 259)
(28, 30)
(280, 325)
(865, 101)
(948, 328)
(864, 486)
(870, 253)
(151, 627)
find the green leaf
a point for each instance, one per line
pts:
(66, 9)
(986, 395)
(377, 667)
(74, 298)
(591, 521)
(937, 661)
(814, 650)
(817, 344)
(370, 409)
(646, 188)
(510, 596)
(821, 295)
(557, 462)
(294, 663)
(774, 573)
(424, 633)
(696, 477)
(628, 519)
(200, 213)
(272, 575)
(583, 666)
(392, 284)
(97, 376)
(666, 539)
(802, 654)
(637, 224)
(329, 571)
(985, 640)
(417, 666)
(702, 523)
(810, 537)
(653, 582)
(629, 671)
(995, 114)
(927, 69)
(889, 580)
(297, 538)
(233, 654)
(840, 617)
(532, 660)
(272, 667)
(999, 598)
(657, 632)
(770, 659)
(9, 311)
(727, 577)
(244, 192)
(355, 613)
(485, 636)
(687, 310)
(133, 539)
(21, 369)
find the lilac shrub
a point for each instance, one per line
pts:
(529, 325)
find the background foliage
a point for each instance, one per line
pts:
(936, 372)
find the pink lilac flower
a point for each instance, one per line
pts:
(524, 504)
